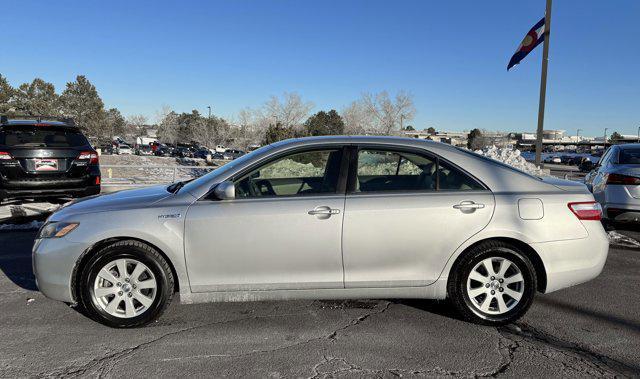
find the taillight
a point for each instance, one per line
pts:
(91, 156)
(622, 179)
(97, 181)
(4, 156)
(586, 210)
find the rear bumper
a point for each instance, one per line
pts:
(44, 191)
(620, 205)
(572, 262)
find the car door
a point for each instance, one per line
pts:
(406, 212)
(282, 231)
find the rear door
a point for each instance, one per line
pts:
(405, 214)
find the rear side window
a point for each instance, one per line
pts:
(629, 156)
(452, 179)
(380, 170)
(37, 136)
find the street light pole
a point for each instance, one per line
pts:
(605, 137)
(209, 106)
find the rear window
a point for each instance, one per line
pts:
(629, 156)
(41, 136)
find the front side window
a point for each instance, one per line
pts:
(380, 170)
(299, 174)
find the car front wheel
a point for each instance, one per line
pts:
(494, 283)
(126, 284)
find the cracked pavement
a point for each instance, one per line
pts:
(588, 330)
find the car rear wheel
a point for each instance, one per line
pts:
(126, 284)
(494, 283)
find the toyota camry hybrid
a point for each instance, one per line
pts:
(327, 218)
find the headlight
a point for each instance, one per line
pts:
(56, 229)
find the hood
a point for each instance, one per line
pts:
(566, 185)
(128, 199)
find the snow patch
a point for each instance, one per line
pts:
(512, 157)
(620, 239)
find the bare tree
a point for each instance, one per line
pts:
(137, 124)
(290, 112)
(389, 114)
(357, 120)
(168, 127)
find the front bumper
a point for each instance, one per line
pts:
(54, 261)
(572, 262)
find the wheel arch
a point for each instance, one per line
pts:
(84, 258)
(534, 257)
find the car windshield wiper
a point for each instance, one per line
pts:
(175, 187)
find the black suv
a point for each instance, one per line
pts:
(45, 157)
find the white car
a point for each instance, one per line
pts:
(124, 150)
(327, 218)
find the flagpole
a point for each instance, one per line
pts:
(543, 82)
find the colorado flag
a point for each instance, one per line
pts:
(530, 41)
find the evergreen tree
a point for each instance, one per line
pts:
(6, 95)
(324, 123)
(81, 101)
(36, 98)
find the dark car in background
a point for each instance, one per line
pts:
(232, 154)
(45, 157)
(164, 151)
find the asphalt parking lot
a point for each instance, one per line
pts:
(589, 330)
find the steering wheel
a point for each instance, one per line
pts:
(259, 188)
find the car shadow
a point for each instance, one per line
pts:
(15, 257)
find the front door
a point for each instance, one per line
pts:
(283, 230)
(405, 216)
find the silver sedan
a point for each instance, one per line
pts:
(615, 182)
(327, 218)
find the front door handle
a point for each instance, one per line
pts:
(324, 211)
(468, 206)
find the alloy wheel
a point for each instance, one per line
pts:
(495, 285)
(124, 288)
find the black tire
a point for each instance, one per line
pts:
(457, 284)
(125, 249)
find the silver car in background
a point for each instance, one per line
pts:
(327, 218)
(615, 183)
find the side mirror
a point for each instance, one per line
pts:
(225, 191)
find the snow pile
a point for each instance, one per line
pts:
(33, 225)
(619, 239)
(512, 158)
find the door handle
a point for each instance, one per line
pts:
(468, 205)
(323, 211)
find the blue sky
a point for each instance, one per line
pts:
(451, 55)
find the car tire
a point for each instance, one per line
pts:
(497, 295)
(126, 303)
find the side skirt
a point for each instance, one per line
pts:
(436, 290)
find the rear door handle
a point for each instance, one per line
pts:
(324, 211)
(465, 205)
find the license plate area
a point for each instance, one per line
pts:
(46, 165)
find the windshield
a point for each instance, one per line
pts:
(38, 136)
